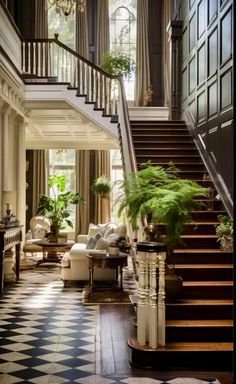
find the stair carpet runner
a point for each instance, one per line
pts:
(199, 326)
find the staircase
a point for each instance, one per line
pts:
(199, 325)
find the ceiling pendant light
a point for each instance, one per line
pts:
(67, 7)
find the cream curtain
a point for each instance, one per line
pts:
(102, 167)
(82, 40)
(102, 30)
(41, 19)
(142, 53)
(166, 49)
(40, 178)
(83, 164)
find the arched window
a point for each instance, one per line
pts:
(122, 16)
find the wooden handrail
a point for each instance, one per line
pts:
(49, 57)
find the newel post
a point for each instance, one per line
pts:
(174, 30)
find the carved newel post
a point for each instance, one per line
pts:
(151, 299)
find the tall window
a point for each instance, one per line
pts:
(117, 178)
(122, 16)
(62, 162)
(64, 27)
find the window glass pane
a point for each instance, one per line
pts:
(62, 162)
(116, 179)
(64, 27)
(122, 14)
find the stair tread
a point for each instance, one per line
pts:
(187, 346)
(202, 266)
(208, 283)
(190, 302)
(199, 236)
(199, 323)
(201, 250)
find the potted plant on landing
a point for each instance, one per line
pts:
(224, 231)
(116, 63)
(102, 187)
(161, 201)
(56, 208)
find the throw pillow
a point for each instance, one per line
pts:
(112, 237)
(102, 244)
(110, 229)
(93, 230)
(91, 243)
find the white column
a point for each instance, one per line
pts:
(1, 158)
(21, 172)
(5, 149)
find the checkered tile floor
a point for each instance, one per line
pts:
(47, 336)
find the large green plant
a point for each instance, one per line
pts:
(116, 63)
(56, 208)
(161, 193)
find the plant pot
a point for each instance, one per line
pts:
(113, 250)
(226, 243)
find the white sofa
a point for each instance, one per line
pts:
(74, 266)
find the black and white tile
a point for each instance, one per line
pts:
(47, 336)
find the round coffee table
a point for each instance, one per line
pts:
(51, 250)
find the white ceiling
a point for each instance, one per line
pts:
(59, 125)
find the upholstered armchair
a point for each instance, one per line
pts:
(39, 227)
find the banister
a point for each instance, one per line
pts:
(89, 79)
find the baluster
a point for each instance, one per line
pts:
(161, 300)
(153, 319)
(23, 57)
(141, 307)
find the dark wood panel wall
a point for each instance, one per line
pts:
(207, 81)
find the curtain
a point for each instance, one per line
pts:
(102, 167)
(40, 178)
(102, 30)
(41, 19)
(83, 164)
(166, 54)
(142, 53)
(81, 34)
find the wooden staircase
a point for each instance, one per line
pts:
(199, 329)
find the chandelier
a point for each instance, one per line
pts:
(67, 7)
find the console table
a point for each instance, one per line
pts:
(9, 237)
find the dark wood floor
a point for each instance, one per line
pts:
(116, 327)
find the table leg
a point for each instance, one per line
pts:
(121, 277)
(17, 261)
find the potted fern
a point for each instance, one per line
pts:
(159, 200)
(102, 187)
(116, 63)
(224, 231)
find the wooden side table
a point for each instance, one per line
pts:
(107, 261)
(52, 249)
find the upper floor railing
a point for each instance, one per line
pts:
(52, 59)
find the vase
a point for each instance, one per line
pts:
(113, 250)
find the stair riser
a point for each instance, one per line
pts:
(167, 150)
(203, 258)
(163, 144)
(180, 139)
(208, 229)
(207, 274)
(195, 334)
(199, 312)
(201, 243)
(207, 215)
(185, 165)
(207, 292)
(168, 360)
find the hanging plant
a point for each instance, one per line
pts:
(102, 187)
